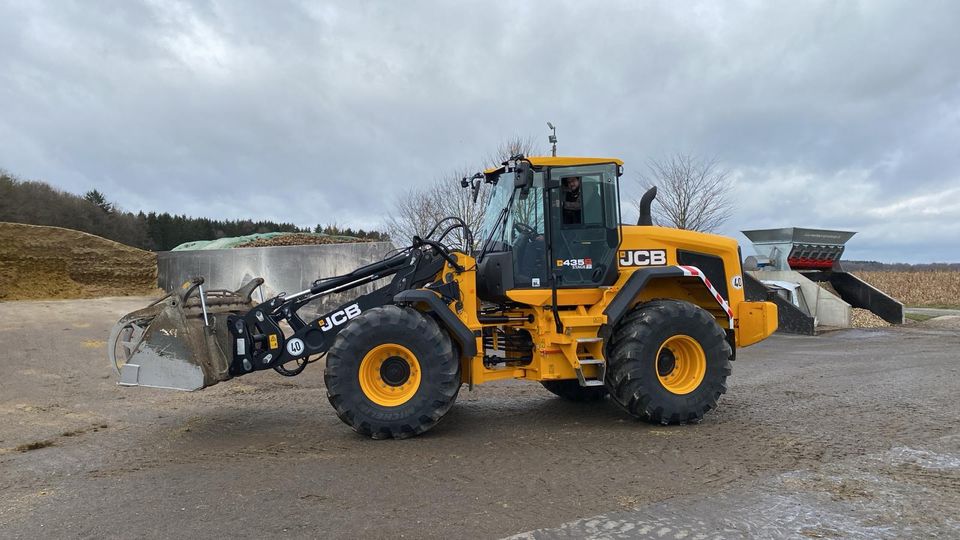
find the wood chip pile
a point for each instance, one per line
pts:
(864, 318)
(300, 239)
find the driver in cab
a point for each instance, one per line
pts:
(572, 200)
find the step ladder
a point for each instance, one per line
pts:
(599, 362)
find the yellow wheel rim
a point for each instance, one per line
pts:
(389, 375)
(681, 364)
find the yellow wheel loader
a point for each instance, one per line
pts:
(554, 290)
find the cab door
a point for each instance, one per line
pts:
(583, 225)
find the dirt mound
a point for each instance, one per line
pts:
(49, 262)
(950, 322)
(300, 239)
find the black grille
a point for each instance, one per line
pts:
(711, 265)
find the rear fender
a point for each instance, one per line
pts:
(629, 294)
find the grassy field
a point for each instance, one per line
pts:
(921, 289)
(919, 317)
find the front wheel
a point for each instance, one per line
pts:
(392, 373)
(668, 362)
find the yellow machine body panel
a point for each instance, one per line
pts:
(637, 243)
(560, 161)
(755, 322)
(556, 355)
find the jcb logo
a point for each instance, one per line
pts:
(339, 317)
(643, 257)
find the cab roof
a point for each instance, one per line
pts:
(559, 161)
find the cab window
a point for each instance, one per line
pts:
(584, 224)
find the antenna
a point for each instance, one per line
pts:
(552, 139)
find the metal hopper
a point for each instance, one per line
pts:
(813, 255)
(794, 248)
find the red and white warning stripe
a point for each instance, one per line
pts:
(693, 271)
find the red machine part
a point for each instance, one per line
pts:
(813, 256)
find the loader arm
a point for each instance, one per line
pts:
(260, 341)
(193, 338)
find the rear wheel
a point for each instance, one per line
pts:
(392, 372)
(570, 389)
(668, 362)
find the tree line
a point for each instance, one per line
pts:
(38, 203)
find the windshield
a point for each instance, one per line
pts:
(588, 198)
(495, 204)
(525, 215)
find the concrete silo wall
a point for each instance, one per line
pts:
(285, 268)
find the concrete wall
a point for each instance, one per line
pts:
(285, 268)
(827, 307)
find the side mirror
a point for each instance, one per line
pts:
(524, 178)
(473, 183)
(476, 189)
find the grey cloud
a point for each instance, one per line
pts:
(314, 112)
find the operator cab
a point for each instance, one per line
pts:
(549, 220)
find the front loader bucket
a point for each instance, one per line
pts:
(181, 341)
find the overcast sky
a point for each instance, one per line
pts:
(835, 115)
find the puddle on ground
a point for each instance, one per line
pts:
(904, 492)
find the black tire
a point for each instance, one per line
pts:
(570, 389)
(632, 362)
(437, 367)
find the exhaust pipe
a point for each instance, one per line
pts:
(645, 202)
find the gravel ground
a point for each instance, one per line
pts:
(855, 433)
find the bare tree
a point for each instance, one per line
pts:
(692, 193)
(420, 208)
(414, 214)
(511, 147)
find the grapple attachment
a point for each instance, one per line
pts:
(181, 341)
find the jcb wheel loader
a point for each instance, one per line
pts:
(557, 291)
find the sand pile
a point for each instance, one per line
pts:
(49, 262)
